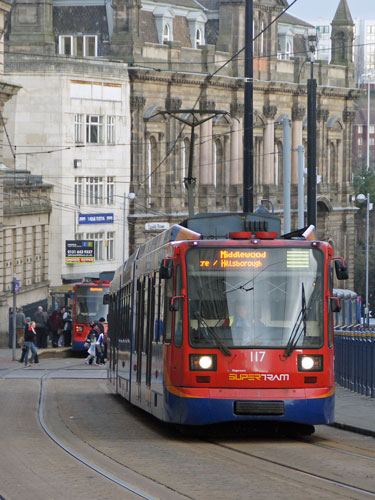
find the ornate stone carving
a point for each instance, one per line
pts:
(237, 108)
(322, 114)
(298, 113)
(206, 105)
(137, 101)
(348, 116)
(270, 111)
(173, 103)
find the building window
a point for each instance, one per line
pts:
(110, 190)
(98, 239)
(94, 191)
(110, 129)
(166, 33)
(372, 129)
(198, 37)
(78, 128)
(78, 190)
(360, 129)
(94, 129)
(110, 245)
(360, 141)
(91, 190)
(79, 45)
(372, 141)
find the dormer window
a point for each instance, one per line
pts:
(198, 37)
(166, 33)
(78, 45)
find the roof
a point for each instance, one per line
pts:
(91, 19)
(288, 19)
(343, 15)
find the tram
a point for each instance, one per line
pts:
(88, 306)
(180, 347)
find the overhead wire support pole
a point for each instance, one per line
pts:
(311, 147)
(190, 181)
(248, 156)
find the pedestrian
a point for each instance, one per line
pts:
(100, 347)
(56, 325)
(61, 332)
(67, 321)
(10, 342)
(30, 334)
(20, 326)
(41, 321)
(104, 328)
(90, 343)
(24, 348)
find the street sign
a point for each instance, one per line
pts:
(156, 226)
(95, 219)
(79, 252)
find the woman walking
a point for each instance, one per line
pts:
(30, 335)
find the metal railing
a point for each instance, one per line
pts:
(355, 360)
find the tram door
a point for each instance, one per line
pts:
(139, 334)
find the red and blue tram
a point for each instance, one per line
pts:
(88, 306)
(179, 351)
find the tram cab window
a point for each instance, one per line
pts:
(277, 287)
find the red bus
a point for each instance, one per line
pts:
(87, 307)
(177, 351)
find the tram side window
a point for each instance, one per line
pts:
(178, 314)
(146, 315)
(152, 307)
(159, 308)
(168, 313)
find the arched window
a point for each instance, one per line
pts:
(198, 37)
(288, 50)
(332, 163)
(166, 33)
(152, 174)
(262, 38)
(218, 161)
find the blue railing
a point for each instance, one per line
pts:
(355, 361)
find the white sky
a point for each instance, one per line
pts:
(308, 10)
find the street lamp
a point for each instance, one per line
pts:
(361, 198)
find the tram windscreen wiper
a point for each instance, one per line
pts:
(299, 327)
(219, 343)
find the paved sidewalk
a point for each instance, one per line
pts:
(354, 412)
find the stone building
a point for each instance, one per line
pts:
(71, 124)
(180, 58)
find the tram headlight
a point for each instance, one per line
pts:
(203, 362)
(310, 362)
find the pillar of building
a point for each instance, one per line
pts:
(297, 139)
(268, 176)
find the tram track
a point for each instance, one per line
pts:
(138, 493)
(298, 469)
(99, 470)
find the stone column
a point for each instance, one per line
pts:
(236, 149)
(206, 166)
(297, 140)
(348, 117)
(321, 145)
(268, 148)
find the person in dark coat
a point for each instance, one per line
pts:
(41, 321)
(56, 325)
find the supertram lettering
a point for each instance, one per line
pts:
(259, 376)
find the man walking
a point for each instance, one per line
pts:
(20, 326)
(41, 320)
